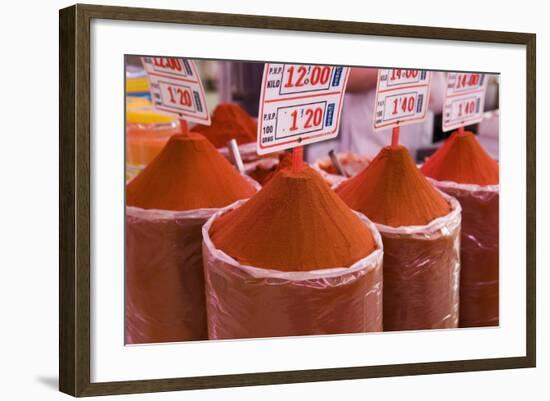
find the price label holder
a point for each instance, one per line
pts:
(464, 99)
(176, 88)
(299, 104)
(402, 97)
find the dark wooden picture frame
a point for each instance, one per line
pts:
(74, 199)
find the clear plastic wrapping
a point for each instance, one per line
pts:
(164, 275)
(422, 273)
(250, 302)
(164, 296)
(479, 252)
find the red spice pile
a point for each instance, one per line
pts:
(295, 223)
(229, 121)
(463, 160)
(392, 191)
(189, 173)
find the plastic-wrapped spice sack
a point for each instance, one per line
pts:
(420, 229)
(167, 204)
(293, 260)
(463, 169)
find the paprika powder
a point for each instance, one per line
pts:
(167, 204)
(229, 121)
(420, 231)
(464, 170)
(293, 260)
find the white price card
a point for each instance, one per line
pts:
(464, 99)
(299, 104)
(402, 97)
(176, 88)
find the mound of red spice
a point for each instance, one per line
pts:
(463, 160)
(295, 223)
(392, 191)
(229, 121)
(189, 173)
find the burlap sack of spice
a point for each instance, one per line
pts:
(164, 273)
(286, 280)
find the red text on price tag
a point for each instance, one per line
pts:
(464, 99)
(299, 105)
(402, 97)
(176, 88)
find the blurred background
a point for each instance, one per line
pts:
(238, 84)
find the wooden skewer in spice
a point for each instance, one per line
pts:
(336, 163)
(235, 155)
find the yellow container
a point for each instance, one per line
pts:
(147, 131)
(137, 83)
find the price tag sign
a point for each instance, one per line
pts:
(299, 104)
(464, 99)
(401, 97)
(176, 88)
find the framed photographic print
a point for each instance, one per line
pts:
(250, 200)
